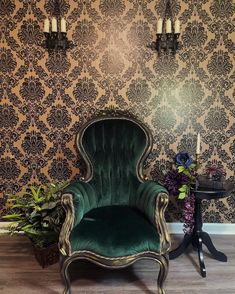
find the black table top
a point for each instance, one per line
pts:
(203, 192)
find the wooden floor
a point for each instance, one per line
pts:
(20, 273)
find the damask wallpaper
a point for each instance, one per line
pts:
(44, 99)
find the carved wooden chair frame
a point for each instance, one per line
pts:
(67, 257)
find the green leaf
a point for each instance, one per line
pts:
(187, 173)
(183, 188)
(192, 165)
(13, 227)
(45, 225)
(35, 192)
(182, 195)
(49, 205)
(181, 169)
(41, 199)
(34, 214)
(12, 216)
(12, 224)
(17, 205)
(37, 208)
(32, 232)
(24, 228)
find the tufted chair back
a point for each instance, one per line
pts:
(114, 150)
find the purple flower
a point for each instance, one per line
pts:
(184, 159)
(188, 214)
(174, 180)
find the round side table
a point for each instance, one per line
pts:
(198, 236)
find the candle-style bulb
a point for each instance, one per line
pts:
(159, 26)
(177, 26)
(168, 26)
(54, 24)
(46, 26)
(63, 25)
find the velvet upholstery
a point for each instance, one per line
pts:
(114, 148)
(115, 231)
(145, 198)
(84, 199)
(114, 212)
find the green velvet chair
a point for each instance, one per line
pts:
(114, 216)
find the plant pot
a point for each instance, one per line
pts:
(46, 256)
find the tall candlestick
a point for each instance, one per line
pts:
(168, 26)
(63, 25)
(54, 24)
(159, 26)
(46, 26)
(198, 151)
(177, 26)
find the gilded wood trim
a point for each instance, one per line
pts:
(64, 243)
(161, 204)
(115, 263)
(139, 165)
(164, 267)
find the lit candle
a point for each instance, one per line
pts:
(159, 26)
(168, 26)
(177, 26)
(63, 25)
(46, 26)
(198, 151)
(54, 24)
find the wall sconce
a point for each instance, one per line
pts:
(168, 32)
(55, 31)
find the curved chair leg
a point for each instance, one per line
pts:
(65, 276)
(164, 264)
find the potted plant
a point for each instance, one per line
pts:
(37, 212)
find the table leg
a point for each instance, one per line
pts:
(201, 258)
(210, 246)
(182, 247)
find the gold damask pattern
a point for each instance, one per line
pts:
(44, 99)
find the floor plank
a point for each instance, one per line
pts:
(20, 273)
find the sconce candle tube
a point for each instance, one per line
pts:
(63, 25)
(46, 26)
(177, 27)
(159, 26)
(54, 24)
(168, 26)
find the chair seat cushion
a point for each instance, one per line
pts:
(115, 231)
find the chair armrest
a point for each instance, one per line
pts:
(152, 199)
(77, 199)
